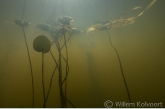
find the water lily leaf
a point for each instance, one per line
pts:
(22, 23)
(41, 44)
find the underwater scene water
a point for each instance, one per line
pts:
(82, 53)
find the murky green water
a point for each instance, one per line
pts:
(136, 30)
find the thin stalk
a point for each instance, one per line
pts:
(50, 84)
(28, 55)
(128, 94)
(106, 7)
(43, 86)
(67, 66)
(30, 66)
(23, 9)
(60, 81)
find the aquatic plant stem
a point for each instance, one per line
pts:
(30, 66)
(66, 60)
(66, 41)
(62, 97)
(63, 8)
(42, 8)
(106, 7)
(50, 84)
(53, 14)
(23, 9)
(60, 81)
(43, 86)
(28, 56)
(129, 98)
(67, 65)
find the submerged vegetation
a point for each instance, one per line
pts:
(63, 28)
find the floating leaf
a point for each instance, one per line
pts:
(43, 27)
(22, 23)
(41, 44)
(65, 20)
